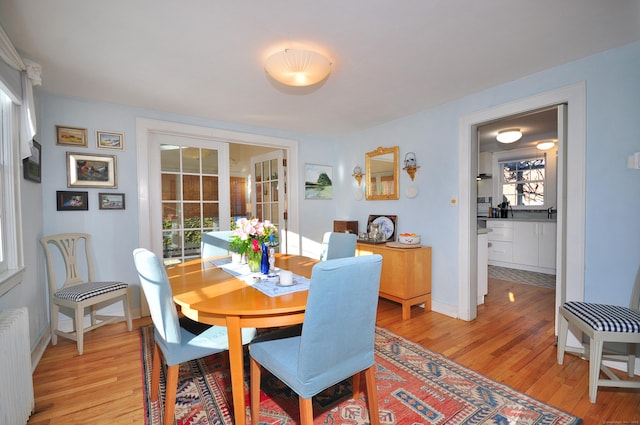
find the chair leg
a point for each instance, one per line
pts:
(306, 410)
(355, 385)
(127, 312)
(372, 395)
(563, 330)
(595, 358)
(155, 373)
(80, 328)
(170, 394)
(255, 391)
(55, 311)
(631, 360)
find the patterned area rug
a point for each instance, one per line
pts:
(415, 386)
(522, 276)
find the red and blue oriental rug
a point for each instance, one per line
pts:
(415, 386)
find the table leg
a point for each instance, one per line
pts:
(237, 368)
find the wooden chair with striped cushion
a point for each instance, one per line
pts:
(77, 292)
(603, 323)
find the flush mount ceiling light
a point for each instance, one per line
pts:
(509, 136)
(298, 68)
(544, 145)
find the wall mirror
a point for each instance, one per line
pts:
(382, 174)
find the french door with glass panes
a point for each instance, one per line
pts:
(194, 194)
(269, 191)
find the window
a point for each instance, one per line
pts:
(190, 199)
(523, 181)
(10, 254)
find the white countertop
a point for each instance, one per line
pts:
(516, 218)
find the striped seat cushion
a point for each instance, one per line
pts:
(606, 318)
(84, 291)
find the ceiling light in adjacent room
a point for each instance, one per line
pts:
(509, 136)
(544, 145)
(298, 67)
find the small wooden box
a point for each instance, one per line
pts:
(343, 226)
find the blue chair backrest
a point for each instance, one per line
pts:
(157, 290)
(338, 245)
(339, 321)
(215, 244)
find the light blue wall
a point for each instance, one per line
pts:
(613, 132)
(612, 190)
(115, 232)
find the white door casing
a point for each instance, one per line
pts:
(571, 193)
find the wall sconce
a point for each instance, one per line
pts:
(410, 165)
(357, 173)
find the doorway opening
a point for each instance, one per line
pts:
(571, 193)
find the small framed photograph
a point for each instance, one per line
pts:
(91, 170)
(110, 140)
(72, 201)
(111, 201)
(318, 181)
(31, 166)
(71, 136)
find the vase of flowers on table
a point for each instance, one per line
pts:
(249, 236)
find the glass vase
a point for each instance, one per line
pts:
(264, 263)
(254, 260)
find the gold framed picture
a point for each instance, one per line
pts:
(71, 136)
(91, 170)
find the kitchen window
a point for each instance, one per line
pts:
(523, 181)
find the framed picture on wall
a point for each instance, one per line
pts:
(72, 201)
(71, 136)
(31, 166)
(111, 201)
(318, 181)
(110, 140)
(91, 170)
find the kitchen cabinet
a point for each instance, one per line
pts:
(483, 288)
(485, 163)
(534, 245)
(500, 242)
(406, 274)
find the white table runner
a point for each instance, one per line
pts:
(267, 285)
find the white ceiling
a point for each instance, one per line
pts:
(205, 58)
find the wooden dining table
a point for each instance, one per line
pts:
(207, 294)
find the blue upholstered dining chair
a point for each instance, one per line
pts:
(172, 339)
(215, 243)
(337, 338)
(337, 245)
(603, 323)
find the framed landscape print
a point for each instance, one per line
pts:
(318, 181)
(91, 170)
(111, 201)
(72, 201)
(110, 140)
(31, 166)
(71, 136)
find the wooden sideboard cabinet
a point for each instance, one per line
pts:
(406, 274)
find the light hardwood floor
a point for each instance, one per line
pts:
(511, 342)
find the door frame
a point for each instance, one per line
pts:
(571, 192)
(146, 126)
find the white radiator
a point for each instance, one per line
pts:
(16, 390)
